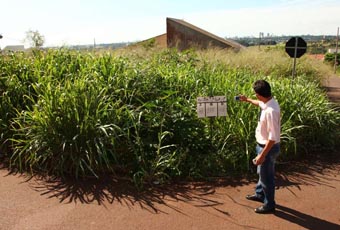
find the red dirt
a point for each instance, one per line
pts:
(307, 197)
(317, 56)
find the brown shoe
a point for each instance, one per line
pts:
(254, 198)
(264, 210)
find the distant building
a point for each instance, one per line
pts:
(14, 48)
(183, 35)
(332, 51)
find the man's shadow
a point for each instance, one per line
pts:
(304, 173)
(304, 220)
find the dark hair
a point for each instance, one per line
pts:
(262, 88)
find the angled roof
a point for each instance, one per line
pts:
(200, 34)
(14, 48)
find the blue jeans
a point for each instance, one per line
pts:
(265, 188)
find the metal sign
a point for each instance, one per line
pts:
(296, 47)
(211, 106)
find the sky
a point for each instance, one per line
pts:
(80, 22)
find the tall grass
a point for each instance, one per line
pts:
(134, 114)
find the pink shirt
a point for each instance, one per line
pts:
(269, 124)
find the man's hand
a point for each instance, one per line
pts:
(246, 99)
(259, 159)
(243, 98)
(262, 156)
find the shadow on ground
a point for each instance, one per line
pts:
(108, 190)
(304, 220)
(314, 170)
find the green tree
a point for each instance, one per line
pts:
(330, 58)
(35, 39)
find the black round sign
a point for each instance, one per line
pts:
(296, 44)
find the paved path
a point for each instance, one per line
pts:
(307, 196)
(332, 85)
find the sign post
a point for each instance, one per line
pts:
(336, 52)
(295, 48)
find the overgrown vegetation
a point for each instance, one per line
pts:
(134, 114)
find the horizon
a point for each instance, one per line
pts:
(75, 22)
(233, 38)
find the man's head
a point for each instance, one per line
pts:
(262, 88)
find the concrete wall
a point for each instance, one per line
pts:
(183, 35)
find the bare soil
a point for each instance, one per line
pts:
(307, 197)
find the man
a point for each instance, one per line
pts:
(268, 145)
